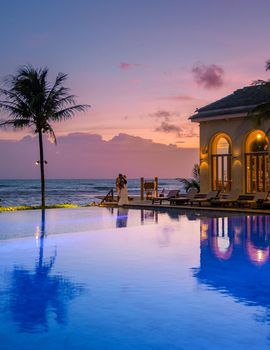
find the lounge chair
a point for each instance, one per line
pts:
(171, 194)
(184, 199)
(256, 200)
(265, 204)
(206, 199)
(226, 199)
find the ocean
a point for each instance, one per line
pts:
(81, 192)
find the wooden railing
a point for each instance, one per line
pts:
(109, 197)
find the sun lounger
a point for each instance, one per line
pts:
(171, 194)
(185, 199)
(226, 199)
(265, 204)
(253, 200)
(206, 199)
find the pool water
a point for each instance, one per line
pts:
(133, 279)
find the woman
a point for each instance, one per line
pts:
(123, 193)
(118, 185)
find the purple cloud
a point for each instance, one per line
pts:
(127, 66)
(189, 132)
(179, 98)
(76, 153)
(182, 132)
(209, 77)
(163, 114)
(169, 128)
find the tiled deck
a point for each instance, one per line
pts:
(147, 204)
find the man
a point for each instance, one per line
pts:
(118, 184)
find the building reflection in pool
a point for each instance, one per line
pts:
(235, 258)
(149, 216)
(34, 294)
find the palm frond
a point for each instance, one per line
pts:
(49, 130)
(189, 183)
(59, 80)
(185, 183)
(260, 113)
(68, 112)
(13, 97)
(15, 111)
(58, 100)
(196, 172)
(54, 91)
(30, 96)
(16, 123)
(193, 182)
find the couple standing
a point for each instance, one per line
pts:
(121, 188)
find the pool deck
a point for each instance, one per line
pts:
(147, 204)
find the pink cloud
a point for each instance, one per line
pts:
(127, 66)
(163, 114)
(189, 131)
(181, 98)
(135, 81)
(209, 77)
(168, 128)
(179, 131)
(82, 155)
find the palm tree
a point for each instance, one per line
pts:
(31, 101)
(262, 111)
(194, 182)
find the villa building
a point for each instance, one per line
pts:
(234, 150)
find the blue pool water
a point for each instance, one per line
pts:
(133, 279)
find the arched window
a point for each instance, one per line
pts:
(256, 159)
(223, 146)
(221, 163)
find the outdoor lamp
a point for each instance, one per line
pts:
(38, 162)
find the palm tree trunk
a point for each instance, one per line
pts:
(42, 175)
(268, 158)
(41, 239)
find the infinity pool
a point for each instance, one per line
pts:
(107, 279)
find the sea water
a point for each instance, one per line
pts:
(82, 192)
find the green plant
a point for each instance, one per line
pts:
(193, 182)
(261, 112)
(31, 101)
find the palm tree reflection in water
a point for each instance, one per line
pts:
(34, 294)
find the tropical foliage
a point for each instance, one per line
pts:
(29, 100)
(193, 182)
(262, 111)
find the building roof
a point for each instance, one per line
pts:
(240, 101)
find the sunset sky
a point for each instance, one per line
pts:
(144, 66)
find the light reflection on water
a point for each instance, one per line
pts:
(33, 293)
(140, 278)
(235, 258)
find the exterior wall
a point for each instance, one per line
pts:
(237, 129)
